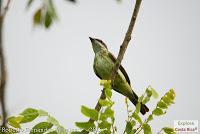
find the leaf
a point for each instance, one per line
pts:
(48, 20)
(154, 93)
(137, 117)
(140, 98)
(41, 128)
(37, 17)
(12, 121)
(104, 125)
(42, 113)
(158, 111)
(91, 113)
(85, 125)
(105, 132)
(53, 121)
(146, 99)
(29, 3)
(166, 100)
(105, 102)
(150, 118)
(171, 94)
(146, 128)
(108, 93)
(138, 107)
(148, 92)
(29, 115)
(162, 105)
(53, 132)
(168, 130)
(52, 10)
(105, 83)
(129, 128)
(108, 113)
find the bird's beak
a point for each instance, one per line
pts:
(91, 39)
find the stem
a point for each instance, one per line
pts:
(3, 72)
(122, 50)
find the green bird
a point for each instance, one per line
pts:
(103, 64)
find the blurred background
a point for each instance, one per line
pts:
(52, 69)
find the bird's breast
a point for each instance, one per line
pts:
(103, 65)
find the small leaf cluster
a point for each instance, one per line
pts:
(45, 15)
(49, 126)
(102, 121)
(135, 124)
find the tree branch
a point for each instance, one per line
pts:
(3, 72)
(122, 50)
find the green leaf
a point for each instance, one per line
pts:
(146, 128)
(138, 107)
(166, 100)
(53, 121)
(52, 10)
(29, 3)
(168, 130)
(158, 111)
(53, 132)
(37, 17)
(146, 99)
(48, 20)
(171, 94)
(108, 113)
(150, 118)
(105, 102)
(162, 105)
(85, 125)
(108, 93)
(91, 113)
(105, 83)
(137, 117)
(42, 113)
(140, 98)
(105, 132)
(12, 121)
(29, 115)
(154, 93)
(77, 132)
(148, 92)
(129, 128)
(104, 125)
(41, 128)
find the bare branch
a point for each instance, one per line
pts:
(3, 72)
(6, 8)
(122, 50)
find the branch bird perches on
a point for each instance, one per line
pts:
(122, 50)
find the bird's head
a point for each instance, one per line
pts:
(98, 45)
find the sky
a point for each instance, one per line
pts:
(52, 69)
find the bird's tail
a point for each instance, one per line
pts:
(134, 100)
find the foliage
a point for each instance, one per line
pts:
(45, 15)
(101, 122)
(49, 126)
(135, 124)
(104, 120)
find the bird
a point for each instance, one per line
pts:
(104, 62)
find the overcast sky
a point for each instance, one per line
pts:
(52, 69)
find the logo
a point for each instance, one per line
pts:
(186, 126)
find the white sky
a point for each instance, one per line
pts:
(52, 69)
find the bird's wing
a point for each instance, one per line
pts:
(120, 68)
(95, 71)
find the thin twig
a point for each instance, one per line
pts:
(6, 8)
(122, 50)
(3, 72)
